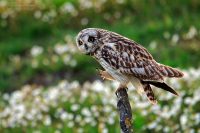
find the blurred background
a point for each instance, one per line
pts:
(46, 85)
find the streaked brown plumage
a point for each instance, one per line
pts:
(125, 60)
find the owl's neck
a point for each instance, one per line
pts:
(97, 53)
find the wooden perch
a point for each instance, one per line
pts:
(124, 109)
(123, 105)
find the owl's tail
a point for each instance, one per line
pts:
(161, 85)
(168, 71)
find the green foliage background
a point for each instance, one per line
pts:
(168, 29)
(143, 21)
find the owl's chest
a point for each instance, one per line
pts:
(115, 73)
(98, 56)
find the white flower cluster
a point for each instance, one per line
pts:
(41, 11)
(94, 105)
(175, 38)
(65, 103)
(61, 52)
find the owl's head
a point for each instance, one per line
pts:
(88, 41)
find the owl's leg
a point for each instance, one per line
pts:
(105, 75)
(137, 84)
(149, 93)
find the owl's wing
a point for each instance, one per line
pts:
(131, 59)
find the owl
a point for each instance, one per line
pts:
(125, 61)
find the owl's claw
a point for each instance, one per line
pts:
(104, 75)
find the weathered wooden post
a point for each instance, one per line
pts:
(124, 109)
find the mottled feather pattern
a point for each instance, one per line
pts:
(129, 61)
(168, 71)
(149, 93)
(132, 59)
(125, 60)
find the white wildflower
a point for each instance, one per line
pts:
(152, 125)
(142, 105)
(105, 130)
(80, 130)
(38, 14)
(85, 4)
(47, 120)
(36, 131)
(70, 124)
(36, 50)
(78, 118)
(73, 63)
(86, 112)
(60, 48)
(188, 100)
(98, 86)
(63, 84)
(120, 1)
(84, 21)
(75, 107)
(53, 94)
(175, 38)
(192, 131)
(107, 109)
(74, 84)
(57, 131)
(153, 45)
(39, 116)
(183, 119)
(197, 118)
(70, 116)
(69, 8)
(93, 123)
(36, 92)
(166, 129)
(88, 119)
(6, 97)
(66, 59)
(191, 33)
(63, 115)
(111, 120)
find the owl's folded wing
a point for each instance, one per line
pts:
(132, 59)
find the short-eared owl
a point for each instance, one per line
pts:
(125, 60)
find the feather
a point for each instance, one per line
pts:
(161, 85)
(131, 59)
(168, 71)
(149, 93)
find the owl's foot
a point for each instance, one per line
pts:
(105, 75)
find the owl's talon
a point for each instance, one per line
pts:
(105, 75)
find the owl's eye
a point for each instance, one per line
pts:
(91, 39)
(80, 42)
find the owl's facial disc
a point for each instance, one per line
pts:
(87, 40)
